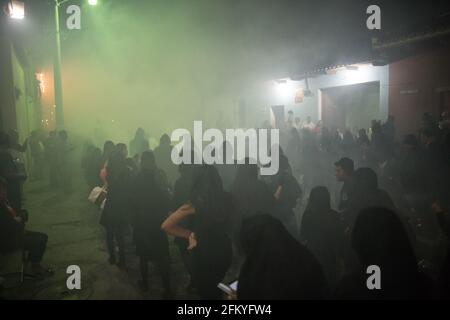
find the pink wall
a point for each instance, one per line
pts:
(421, 75)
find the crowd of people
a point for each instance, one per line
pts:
(291, 234)
(392, 203)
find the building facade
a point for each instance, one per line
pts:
(19, 90)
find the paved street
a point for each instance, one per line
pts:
(76, 238)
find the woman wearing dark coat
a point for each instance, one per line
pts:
(251, 195)
(286, 191)
(276, 265)
(380, 239)
(321, 232)
(150, 204)
(209, 243)
(115, 215)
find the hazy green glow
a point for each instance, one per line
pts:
(92, 2)
(163, 64)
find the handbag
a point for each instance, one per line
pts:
(98, 196)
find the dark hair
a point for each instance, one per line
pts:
(108, 148)
(121, 147)
(276, 265)
(165, 139)
(365, 179)
(140, 133)
(346, 164)
(319, 199)
(148, 161)
(379, 238)
(116, 166)
(208, 198)
(256, 227)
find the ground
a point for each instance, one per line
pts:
(76, 238)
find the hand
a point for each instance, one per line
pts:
(192, 241)
(278, 193)
(232, 295)
(18, 219)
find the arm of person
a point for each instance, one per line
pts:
(170, 225)
(14, 225)
(278, 193)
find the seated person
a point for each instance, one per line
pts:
(13, 235)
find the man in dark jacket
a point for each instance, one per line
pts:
(13, 235)
(344, 173)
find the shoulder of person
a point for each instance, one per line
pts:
(186, 208)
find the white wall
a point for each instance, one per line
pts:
(311, 105)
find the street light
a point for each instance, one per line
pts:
(16, 10)
(59, 110)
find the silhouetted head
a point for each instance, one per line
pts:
(344, 169)
(122, 147)
(362, 133)
(108, 147)
(140, 134)
(379, 238)
(63, 135)
(148, 162)
(319, 199)
(164, 140)
(262, 232)
(365, 180)
(208, 197)
(410, 141)
(276, 265)
(116, 165)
